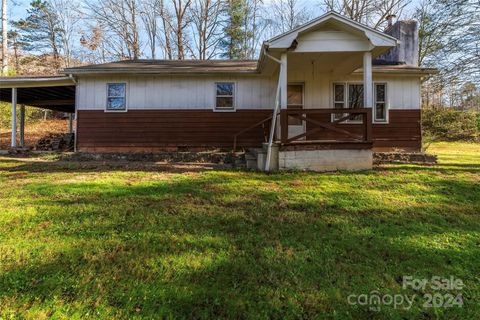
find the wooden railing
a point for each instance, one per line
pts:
(260, 123)
(347, 116)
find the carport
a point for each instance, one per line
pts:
(47, 92)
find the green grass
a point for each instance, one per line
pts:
(84, 241)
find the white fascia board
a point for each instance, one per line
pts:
(377, 38)
(35, 82)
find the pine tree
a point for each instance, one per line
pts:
(233, 43)
(40, 31)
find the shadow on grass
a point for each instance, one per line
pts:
(209, 247)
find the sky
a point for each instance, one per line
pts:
(17, 8)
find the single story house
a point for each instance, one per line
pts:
(321, 96)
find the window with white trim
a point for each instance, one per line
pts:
(350, 96)
(225, 96)
(116, 97)
(380, 114)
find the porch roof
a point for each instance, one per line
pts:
(376, 37)
(47, 92)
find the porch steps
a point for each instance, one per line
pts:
(252, 156)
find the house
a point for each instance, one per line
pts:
(322, 96)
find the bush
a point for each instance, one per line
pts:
(32, 115)
(450, 125)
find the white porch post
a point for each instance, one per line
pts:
(22, 125)
(283, 82)
(367, 80)
(14, 118)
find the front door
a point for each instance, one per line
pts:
(295, 101)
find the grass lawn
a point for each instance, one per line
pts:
(86, 241)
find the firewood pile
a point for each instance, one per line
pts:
(56, 142)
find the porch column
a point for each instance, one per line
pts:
(367, 80)
(283, 82)
(22, 125)
(368, 93)
(14, 118)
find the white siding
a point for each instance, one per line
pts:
(176, 92)
(403, 91)
(252, 92)
(331, 41)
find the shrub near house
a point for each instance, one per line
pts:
(450, 125)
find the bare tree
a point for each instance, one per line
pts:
(150, 15)
(166, 19)
(4, 38)
(181, 22)
(119, 18)
(206, 20)
(370, 12)
(67, 18)
(288, 14)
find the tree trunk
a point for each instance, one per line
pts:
(4, 39)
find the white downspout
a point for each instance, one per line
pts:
(275, 113)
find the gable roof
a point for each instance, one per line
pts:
(376, 37)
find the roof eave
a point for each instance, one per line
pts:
(401, 71)
(118, 71)
(26, 82)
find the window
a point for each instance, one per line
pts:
(352, 98)
(380, 114)
(295, 101)
(225, 96)
(116, 97)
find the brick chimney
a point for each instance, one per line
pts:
(407, 51)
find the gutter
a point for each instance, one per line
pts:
(275, 113)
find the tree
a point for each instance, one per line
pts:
(370, 12)
(166, 18)
(4, 38)
(150, 15)
(288, 14)
(234, 39)
(16, 45)
(119, 22)
(40, 30)
(206, 20)
(182, 21)
(449, 41)
(67, 18)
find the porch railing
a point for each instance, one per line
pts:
(341, 124)
(265, 123)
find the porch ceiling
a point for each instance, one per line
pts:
(53, 93)
(341, 63)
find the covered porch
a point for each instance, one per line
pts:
(55, 93)
(311, 112)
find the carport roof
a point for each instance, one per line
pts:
(48, 92)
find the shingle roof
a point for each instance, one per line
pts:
(170, 67)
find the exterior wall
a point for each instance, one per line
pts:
(252, 92)
(156, 130)
(172, 111)
(403, 91)
(176, 92)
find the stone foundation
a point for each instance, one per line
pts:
(326, 160)
(403, 157)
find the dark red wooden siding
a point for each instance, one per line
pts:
(150, 130)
